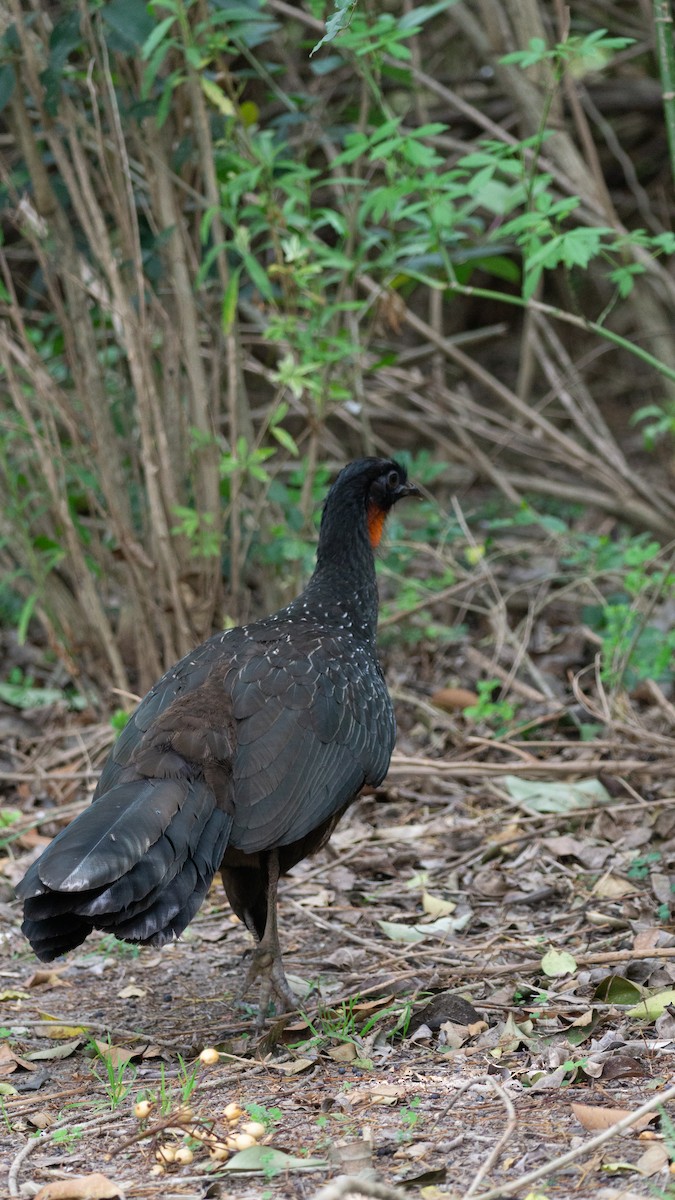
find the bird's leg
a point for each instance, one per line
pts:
(267, 964)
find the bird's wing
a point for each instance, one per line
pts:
(184, 679)
(314, 723)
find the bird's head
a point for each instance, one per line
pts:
(377, 484)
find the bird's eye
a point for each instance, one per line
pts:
(393, 479)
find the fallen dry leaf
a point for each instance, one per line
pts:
(296, 1067)
(387, 1093)
(214, 933)
(117, 1055)
(489, 882)
(594, 1118)
(585, 1019)
(47, 979)
(54, 1028)
(609, 1193)
(611, 887)
(367, 1006)
(435, 906)
(41, 1119)
(661, 887)
(344, 1053)
(454, 699)
(590, 855)
(80, 1187)
(64, 1050)
(322, 898)
(454, 1035)
(648, 939)
(132, 991)
(621, 1066)
(654, 1159)
(9, 1061)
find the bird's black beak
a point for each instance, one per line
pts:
(406, 489)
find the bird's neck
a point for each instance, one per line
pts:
(344, 580)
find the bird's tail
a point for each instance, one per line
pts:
(137, 863)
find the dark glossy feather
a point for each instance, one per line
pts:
(254, 743)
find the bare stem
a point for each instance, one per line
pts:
(665, 48)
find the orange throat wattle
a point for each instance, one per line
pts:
(376, 518)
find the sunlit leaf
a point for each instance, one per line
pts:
(265, 1160)
(558, 962)
(539, 795)
(400, 933)
(653, 1006)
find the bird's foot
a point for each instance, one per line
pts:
(268, 968)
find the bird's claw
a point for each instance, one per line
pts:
(268, 968)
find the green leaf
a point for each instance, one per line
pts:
(578, 1034)
(665, 242)
(230, 299)
(62, 1050)
(531, 277)
(617, 990)
(536, 52)
(504, 268)
(416, 933)
(265, 1160)
(130, 20)
(258, 276)
(558, 962)
(280, 413)
(417, 17)
(24, 618)
(654, 1006)
(7, 84)
(154, 63)
(335, 24)
(156, 37)
(624, 277)
(217, 97)
(546, 797)
(324, 66)
(400, 933)
(20, 695)
(284, 438)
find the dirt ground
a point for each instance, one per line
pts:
(471, 952)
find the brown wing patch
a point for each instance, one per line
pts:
(196, 729)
